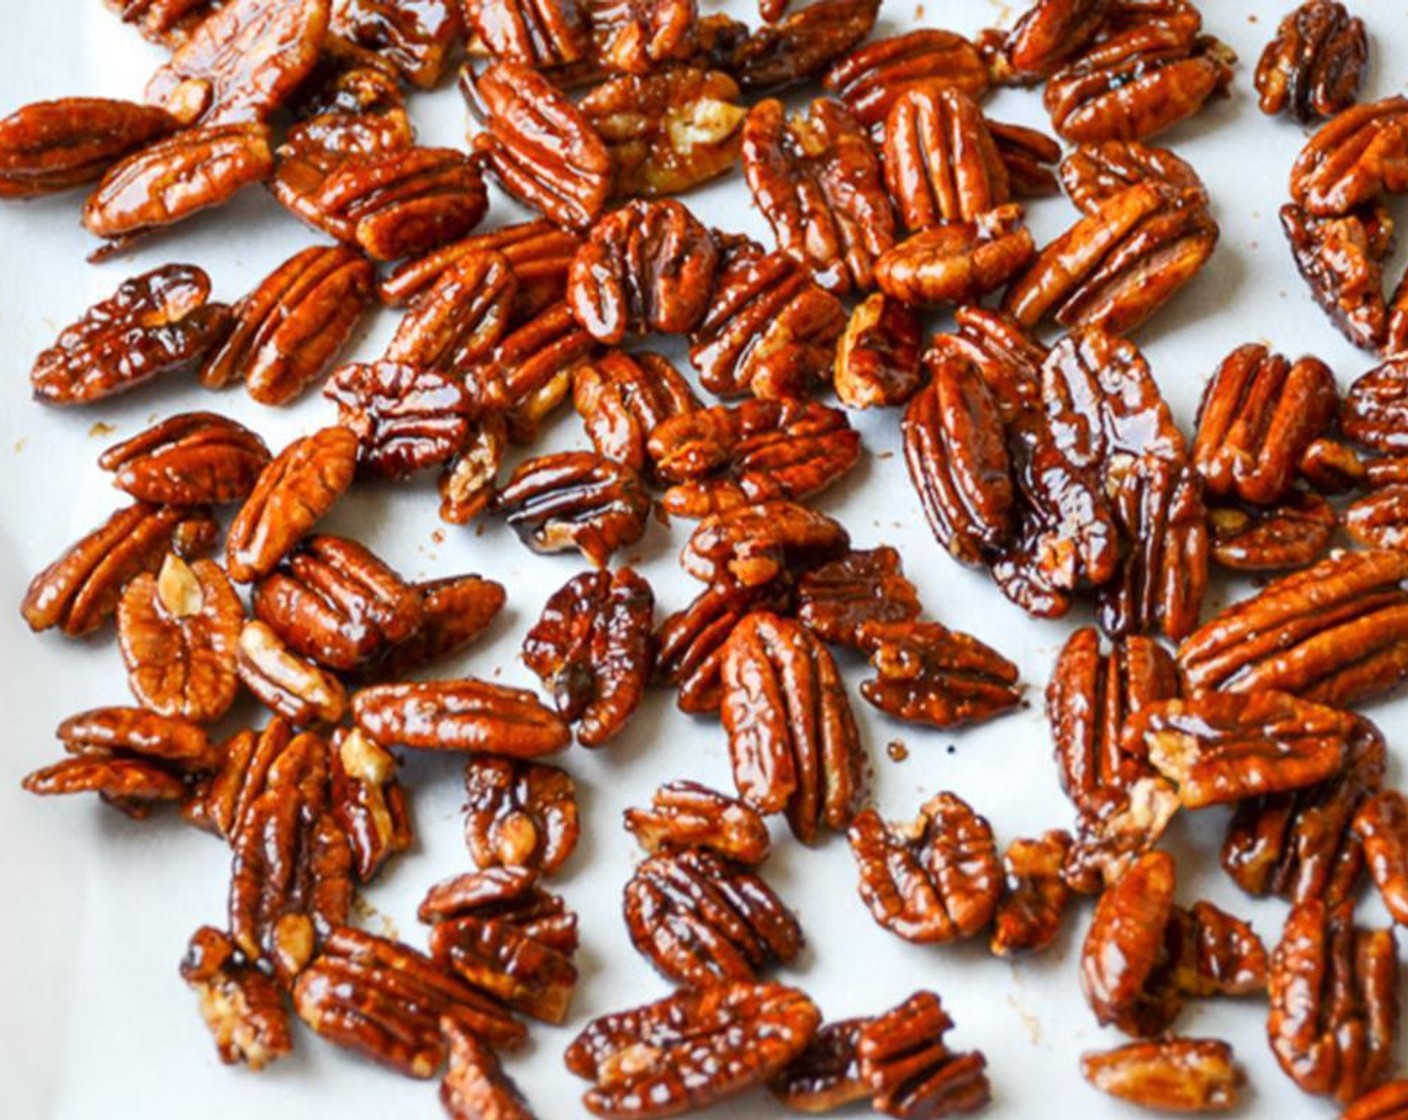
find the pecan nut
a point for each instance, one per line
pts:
(519, 814)
(1341, 259)
(415, 40)
(241, 1005)
(837, 600)
(872, 78)
(792, 737)
(684, 815)
(958, 262)
(1375, 411)
(1175, 1075)
(702, 920)
(499, 959)
(368, 801)
(467, 483)
(910, 1069)
(156, 323)
(754, 545)
(797, 47)
(826, 1075)
(941, 162)
(1034, 895)
(192, 459)
(1096, 172)
(405, 417)
(1293, 534)
(168, 22)
(926, 673)
(218, 802)
(509, 894)
(1380, 518)
(54, 145)
(290, 686)
(623, 398)
(461, 316)
(1387, 1102)
(690, 1049)
(459, 715)
(1381, 825)
(454, 612)
(293, 493)
(1117, 827)
(877, 358)
(1048, 34)
(538, 33)
(934, 880)
(289, 330)
(1353, 159)
(637, 36)
(575, 500)
(474, 1084)
(1314, 65)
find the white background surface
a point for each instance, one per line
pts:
(97, 909)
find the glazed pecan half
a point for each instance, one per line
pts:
(575, 500)
(539, 33)
(474, 1084)
(54, 145)
(1115, 829)
(1353, 159)
(157, 323)
(1093, 173)
(638, 36)
(910, 1069)
(933, 880)
(941, 162)
(461, 316)
(872, 78)
(1315, 64)
(826, 1075)
(219, 801)
(293, 493)
(289, 685)
(1375, 411)
(454, 612)
(836, 600)
(242, 1006)
(878, 356)
(958, 262)
(1293, 534)
(459, 715)
(926, 673)
(622, 398)
(684, 815)
(1341, 257)
(519, 813)
(368, 801)
(1175, 1075)
(510, 894)
(690, 1049)
(795, 48)
(1034, 894)
(406, 417)
(289, 330)
(413, 40)
(191, 459)
(754, 545)
(500, 959)
(701, 919)
(1049, 33)
(1381, 825)
(1334, 1004)
(593, 647)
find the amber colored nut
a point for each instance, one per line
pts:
(941, 162)
(1332, 467)
(690, 643)
(816, 178)
(878, 356)
(1293, 534)
(691, 1049)
(1258, 415)
(157, 323)
(171, 740)
(455, 611)
(242, 1007)
(770, 330)
(1340, 259)
(701, 920)
(1029, 157)
(386, 1001)
(648, 266)
(795, 49)
(540, 146)
(1388, 1102)
(933, 880)
(499, 959)
(474, 1084)
(928, 674)
(1091, 701)
(640, 36)
(536, 33)
(191, 459)
(468, 482)
(720, 458)
(1175, 1075)
(826, 1075)
(1375, 411)
(1343, 641)
(293, 493)
(510, 894)
(132, 785)
(1125, 972)
(909, 1067)
(1214, 953)
(52, 146)
(1334, 1005)
(289, 330)
(1034, 895)
(290, 686)
(755, 545)
(1050, 33)
(172, 179)
(243, 62)
(460, 318)
(622, 398)
(956, 450)
(519, 813)
(368, 801)
(1115, 829)
(219, 801)
(406, 418)
(167, 22)
(350, 108)
(1300, 845)
(414, 41)
(958, 262)
(1314, 65)
(836, 600)
(870, 79)
(1093, 173)
(1119, 264)
(1381, 825)
(1353, 159)
(1137, 83)
(459, 715)
(537, 354)
(684, 815)
(792, 738)
(178, 631)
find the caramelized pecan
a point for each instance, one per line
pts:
(539, 33)
(941, 162)
(623, 398)
(1028, 155)
(54, 145)
(574, 500)
(454, 612)
(826, 1075)
(872, 78)
(702, 920)
(1375, 411)
(474, 1084)
(926, 673)
(157, 323)
(467, 483)
(1340, 257)
(289, 330)
(792, 737)
(351, 109)
(1096, 172)
(1380, 518)
(413, 39)
(242, 1006)
(219, 802)
(1381, 825)
(290, 686)
(1115, 829)
(958, 262)
(368, 801)
(1049, 33)
(934, 880)
(406, 417)
(877, 358)
(498, 958)
(510, 894)
(1353, 159)
(1175, 1075)
(1314, 65)
(1293, 534)
(753, 545)
(910, 1069)
(519, 813)
(461, 316)
(459, 715)
(168, 22)
(685, 815)
(837, 600)
(1034, 894)
(637, 36)
(191, 459)
(795, 48)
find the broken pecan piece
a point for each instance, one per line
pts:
(541, 147)
(519, 813)
(79, 590)
(459, 715)
(178, 631)
(1034, 894)
(290, 686)
(1117, 827)
(623, 398)
(702, 920)
(753, 545)
(54, 145)
(792, 737)
(684, 815)
(242, 1006)
(877, 358)
(872, 78)
(1314, 65)
(575, 500)
(926, 673)
(475, 1086)
(836, 600)
(413, 40)
(794, 49)
(1341, 257)
(1175, 1075)
(1381, 825)
(1334, 1004)
(368, 801)
(191, 459)
(1380, 518)
(910, 1069)
(594, 648)
(934, 880)
(958, 262)
(691, 1049)
(157, 323)
(289, 330)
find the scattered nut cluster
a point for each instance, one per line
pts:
(1051, 461)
